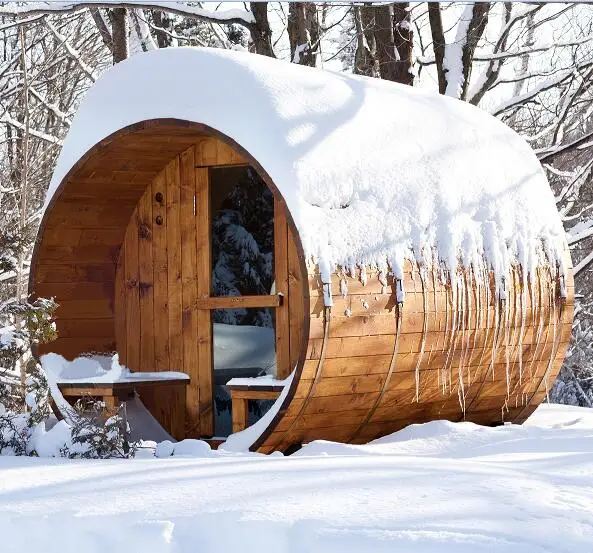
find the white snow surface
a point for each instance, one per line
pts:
(372, 172)
(265, 380)
(98, 369)
(439, 487)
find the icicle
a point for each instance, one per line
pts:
(540, 325)
(423, 341)
(383, 280)
(327, 295)
(497, 324)
(343, 287)
(325, 274)
(523, 308)
(462, 322)
(555, 344)
(507, 336)
(563, 293)
(515, 318)
(466, 354)
(400, 293)
(461, 398)
(363, 275)
(364, 304)
(454, 327)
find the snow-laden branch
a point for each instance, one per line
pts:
(484, 57)
(585, 262)
(34, 132)
(453, 62)
(20, 22)
(73, 52)
(241, 17)
(546, 155)
(63, 117)
(546, 84)
(580, 231)
(530, 50)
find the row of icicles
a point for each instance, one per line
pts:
(469, 289)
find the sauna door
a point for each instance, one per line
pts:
(237, 225)
(163, 290)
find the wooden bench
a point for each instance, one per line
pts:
(242, 393)
(114, 393)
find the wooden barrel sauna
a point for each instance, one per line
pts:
(125, 248)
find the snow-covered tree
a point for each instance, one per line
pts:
(242, 248)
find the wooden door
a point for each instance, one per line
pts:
(163, 291)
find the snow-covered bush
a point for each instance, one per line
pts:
(93, 437)
(36, 394)
(23, 325)
(14, 432)
(25, 410)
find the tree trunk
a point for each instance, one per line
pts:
(303, 32)
(261, 33)
(403, 39)
(475, 30)
(163, 21)
(314, 30)
(386, 52)
(365, 59)
(103, 29)
(24, 185)
(119, 34)
(438, 42)
(494, 66)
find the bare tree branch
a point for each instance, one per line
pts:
(241, 17)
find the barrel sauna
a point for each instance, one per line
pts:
(381, 321)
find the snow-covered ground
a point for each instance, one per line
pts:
(437, 487)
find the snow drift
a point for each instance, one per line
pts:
(438, 487)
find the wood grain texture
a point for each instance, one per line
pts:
(145, 231)
(463, 354)
(187, 216)
(160, 265)
(204, 289)
(282, 282)
(132, 297)
(174, 287)
(296, 309)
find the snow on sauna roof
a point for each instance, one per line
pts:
(371, 171)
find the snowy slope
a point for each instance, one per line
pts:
(439, 487)
(372, 171)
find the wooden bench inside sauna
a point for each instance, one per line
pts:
(415, 277)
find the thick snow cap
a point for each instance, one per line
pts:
(372, 172)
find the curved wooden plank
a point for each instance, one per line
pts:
(461, 354)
